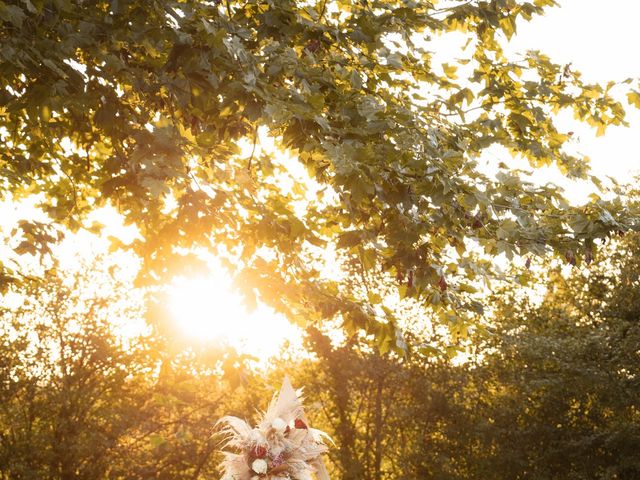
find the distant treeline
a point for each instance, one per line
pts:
(553, 393)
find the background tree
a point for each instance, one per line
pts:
(560, 383)
(80, 401)
(70, 386)
(387, 415)
(144, 106)
(553, 391)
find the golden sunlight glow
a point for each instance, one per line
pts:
(207, 309)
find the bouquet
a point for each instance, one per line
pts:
(281, 447)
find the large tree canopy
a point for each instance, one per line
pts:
(144, 105)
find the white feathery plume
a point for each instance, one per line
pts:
(281, 447)
(286, 404)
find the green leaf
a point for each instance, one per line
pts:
(12, 14)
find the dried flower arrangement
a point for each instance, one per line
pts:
(281, 447)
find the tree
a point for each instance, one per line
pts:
(389, 415)
(81, 400)
(144, 106)
(553, 393)
(71, 386)
(557, 392)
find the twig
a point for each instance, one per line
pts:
(253, 149)
(73, 186)
(322, 10)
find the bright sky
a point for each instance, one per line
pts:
(600, 40)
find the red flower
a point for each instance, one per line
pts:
(300, 424)
(259, 451)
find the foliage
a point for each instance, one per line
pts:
(69, 386)
(553, 394)
(381, 411)
(144, 105)
(80, 402)
(562, 381)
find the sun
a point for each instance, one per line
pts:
(207, 309)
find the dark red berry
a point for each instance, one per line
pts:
(259, 451)
(312, 46)
(570, 257)
(477, 221)
(588, 257)
(442, 283)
